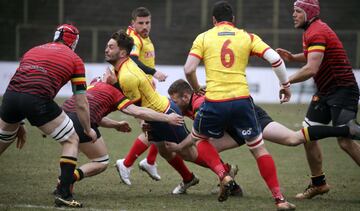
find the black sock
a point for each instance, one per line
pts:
(78, 175)
(317, 132)
(67, 165)
(318, 180)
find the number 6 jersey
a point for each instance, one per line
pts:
(225, 51)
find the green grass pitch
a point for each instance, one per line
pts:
(28, 176)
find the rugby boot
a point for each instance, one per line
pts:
(282, 204)
(183, 186)
(124, 172)
(312, 191)
(226, 185)
(151, 170)
(67, 202)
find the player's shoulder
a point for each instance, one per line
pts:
(133, 34)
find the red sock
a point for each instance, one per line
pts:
(226, 166)
(267, 170)
(208, 155)
(178, 164)
(136, 150)
(152, 154)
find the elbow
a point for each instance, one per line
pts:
(311, 71)
(188, 70)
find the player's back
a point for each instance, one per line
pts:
(225, 51)
(138, 88)
(44, 69)
(103, 99)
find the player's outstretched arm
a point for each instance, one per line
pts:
(278, 66)
(289, 57)
(83, 113)
(121, 126)
(151, 115)
(310, 69)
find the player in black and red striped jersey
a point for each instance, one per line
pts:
(189, 103)
(337, 95)
(103, 99)
(43, 70)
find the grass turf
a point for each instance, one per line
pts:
(28, 176)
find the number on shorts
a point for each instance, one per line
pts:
(227, 61)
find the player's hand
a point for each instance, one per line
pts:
(145, 127)
(201, 90)
(175, 119)
(284, 94)
(21, 137)
(285, 54)
(123, 126)
(109, 76)
(160, 76)
(172, 147)
(92, 135)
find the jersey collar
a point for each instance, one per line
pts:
(224, 23)
(118, 67)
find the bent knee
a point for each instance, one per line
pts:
(103, 161)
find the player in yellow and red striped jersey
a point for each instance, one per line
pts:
(225, 51)
(143, 54)
(337, 95)
(137, 87)
(103, 99)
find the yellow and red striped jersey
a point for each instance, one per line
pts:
(138, 88)
(143, 48)
(225, 51)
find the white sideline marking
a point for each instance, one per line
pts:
(52, 207)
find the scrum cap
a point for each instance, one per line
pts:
(67, 33)
(310, 7)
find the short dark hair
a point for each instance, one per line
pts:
(140, 12)
(180, 87)
(222, 11)
(123, 40)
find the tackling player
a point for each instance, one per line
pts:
(104, 98)
(135, 85)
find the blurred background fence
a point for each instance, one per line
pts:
(26, 23)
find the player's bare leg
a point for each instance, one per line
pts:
(8, 134)
(318, 183)
(98, 154)
(351, 147)
(278, 133)
(68, 159)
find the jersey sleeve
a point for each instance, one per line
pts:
(316, 43)
(197, 48)
(78, 80)
(258, 47)
(120, 100)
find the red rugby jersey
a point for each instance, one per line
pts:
(335, 69)
(193, 108)
(103, 99)
(44, 69)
